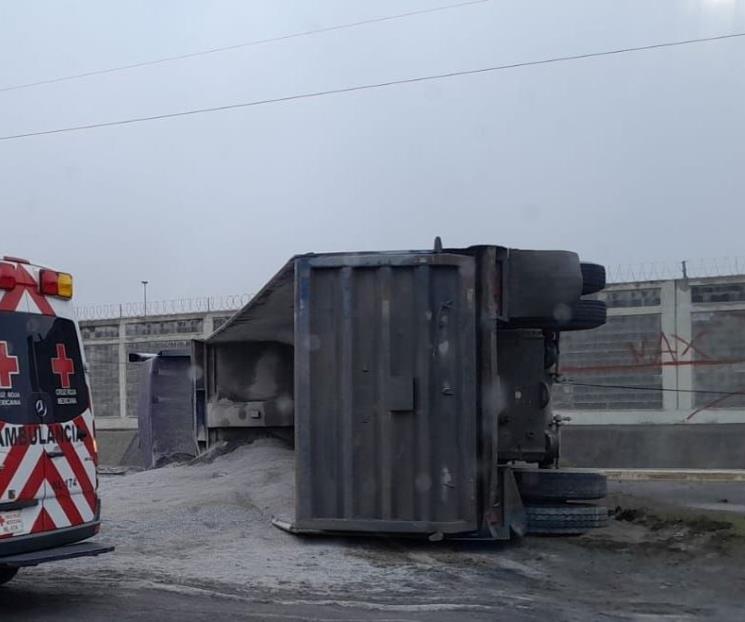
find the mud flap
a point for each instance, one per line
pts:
(507, 516)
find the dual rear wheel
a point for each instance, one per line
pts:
(555, 500)
(565, 518)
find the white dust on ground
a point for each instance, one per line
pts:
(210, 524)
(206, 528)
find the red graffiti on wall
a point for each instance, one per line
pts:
(666, 351)
(661, 351)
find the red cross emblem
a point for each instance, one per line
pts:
(63, 366)
(2, 521)
(8, 366)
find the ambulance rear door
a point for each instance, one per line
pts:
(22, 457)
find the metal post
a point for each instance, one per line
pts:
(144, 298)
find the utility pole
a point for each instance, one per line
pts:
(685, 270)
(144, 298)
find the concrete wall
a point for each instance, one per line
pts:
(667, 446)
(681, 345)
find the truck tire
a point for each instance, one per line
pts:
(582, 315)
(565, 519)
(539, 281)
(593, 277)
(7, 573)
(585, 314)
(560, 485)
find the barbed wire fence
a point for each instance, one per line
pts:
(205, 304)
(668, 270)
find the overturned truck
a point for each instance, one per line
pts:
(416, 386)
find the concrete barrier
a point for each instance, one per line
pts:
(654, 446)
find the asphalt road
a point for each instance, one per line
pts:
(69, 598)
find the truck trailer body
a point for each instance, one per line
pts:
(414, 381)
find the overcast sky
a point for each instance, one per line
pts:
(623, 158)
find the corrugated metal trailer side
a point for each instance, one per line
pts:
(386, 395)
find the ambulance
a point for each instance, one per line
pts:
(48, 483)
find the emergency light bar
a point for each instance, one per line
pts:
(53, 283)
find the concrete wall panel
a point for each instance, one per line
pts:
(706, 446)
(626, 351)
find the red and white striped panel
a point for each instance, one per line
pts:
(21, 470)
(25, 296)
(65, 485)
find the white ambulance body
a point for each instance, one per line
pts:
(48, 456)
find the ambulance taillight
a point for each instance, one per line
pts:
(7, 276)
(53, 283)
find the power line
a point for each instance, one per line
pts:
(641, 388)
(227, 48)
(364, 87)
